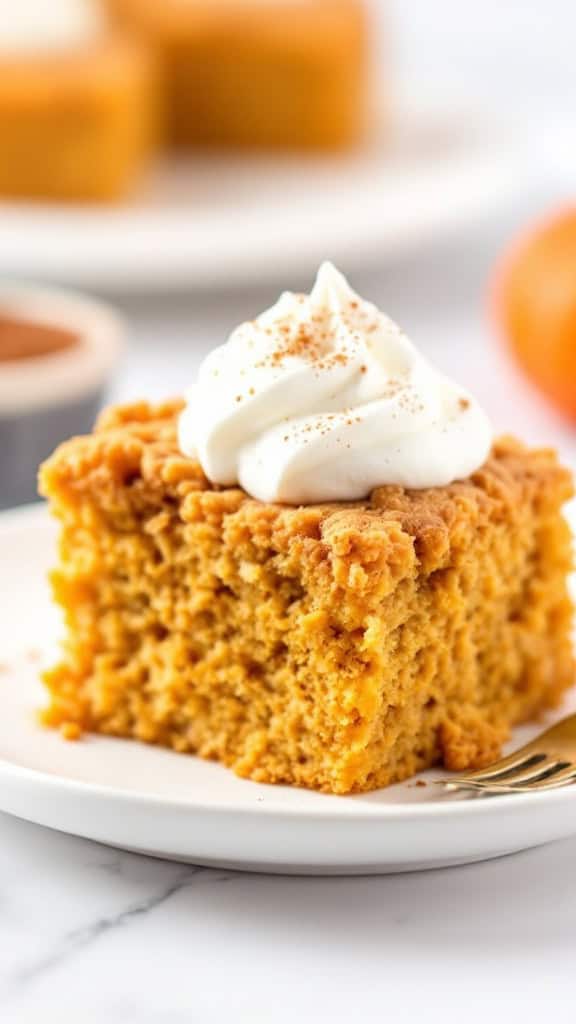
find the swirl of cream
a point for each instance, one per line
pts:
(322, 398)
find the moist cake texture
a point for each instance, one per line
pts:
(339, 647)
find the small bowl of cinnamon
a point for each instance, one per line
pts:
(58, 351)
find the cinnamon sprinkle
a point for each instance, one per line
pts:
(305, 341)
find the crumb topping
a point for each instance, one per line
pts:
(133, 458)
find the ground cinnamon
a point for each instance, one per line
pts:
(25, 339)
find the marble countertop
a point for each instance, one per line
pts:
(90, 935)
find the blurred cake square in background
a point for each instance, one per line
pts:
(76, 102)
(270, 73)
(88, 88)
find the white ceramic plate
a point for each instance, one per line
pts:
(210, 221)
(178, 807)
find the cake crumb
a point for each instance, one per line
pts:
(70, 731)
(158, 523)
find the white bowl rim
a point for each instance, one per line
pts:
(59, 378)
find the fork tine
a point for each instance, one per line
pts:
(520, 760)
(548, 762)
(528, 769)
(563, 777)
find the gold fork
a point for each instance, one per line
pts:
(547, 763)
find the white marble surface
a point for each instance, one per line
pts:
(90, 934)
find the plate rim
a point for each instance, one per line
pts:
(502, 153)
(367, 813)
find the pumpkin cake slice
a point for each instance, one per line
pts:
(339, 646)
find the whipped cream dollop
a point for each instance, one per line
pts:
(41, 26)
(322, 398)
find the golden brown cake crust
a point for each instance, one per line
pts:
(424, 617)
(137, 444)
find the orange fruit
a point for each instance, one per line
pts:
(535, 299)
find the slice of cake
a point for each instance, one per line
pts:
(342, 645)
(76, 103)
(291, 73)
